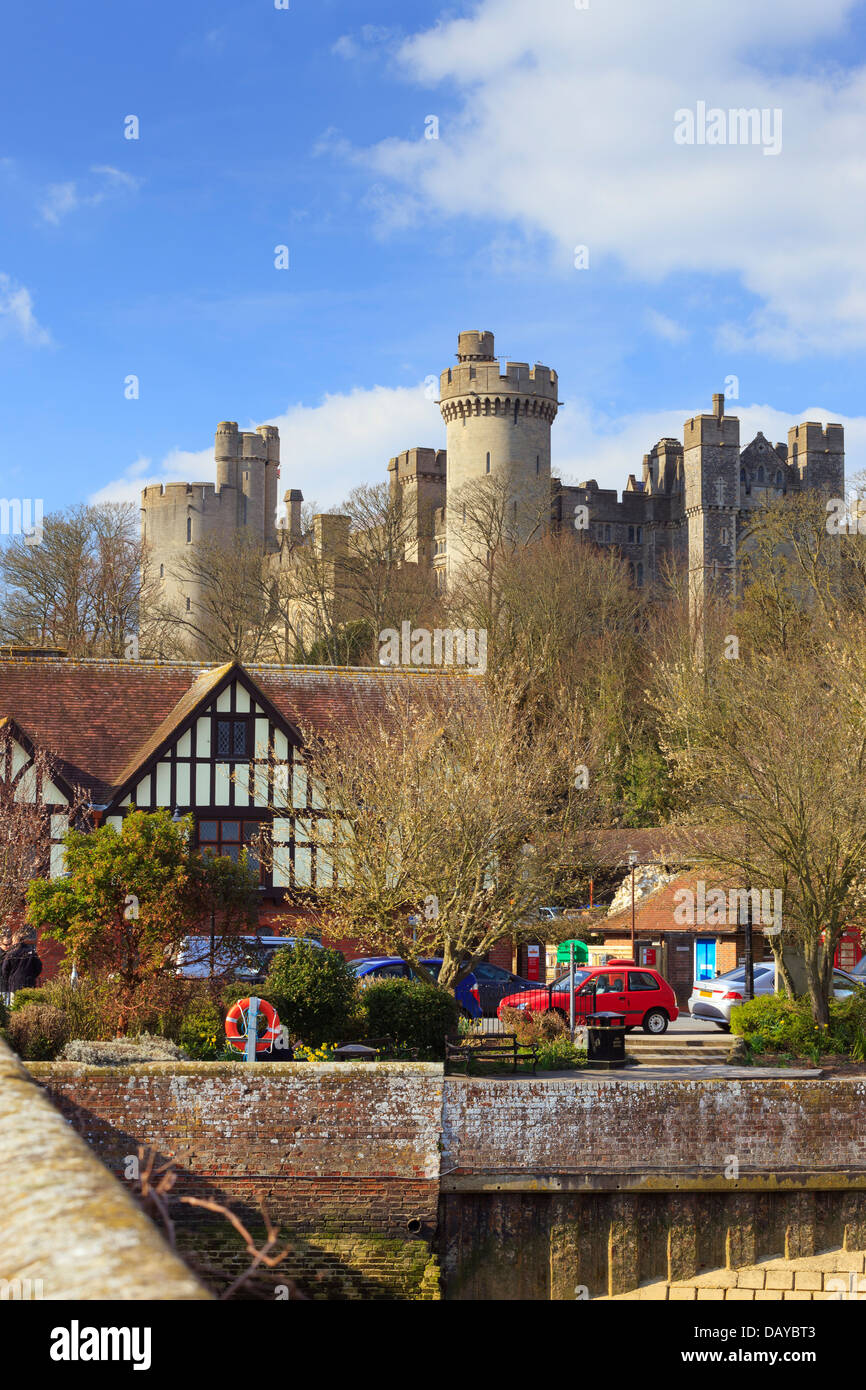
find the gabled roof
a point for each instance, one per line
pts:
(102, 719)
(10, 726)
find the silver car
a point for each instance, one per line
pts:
(712, 1000)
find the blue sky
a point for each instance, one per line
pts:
(306, 127)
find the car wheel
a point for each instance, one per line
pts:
(656, 1021)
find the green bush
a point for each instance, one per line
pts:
(202, 1030)
(38, 1032)
(314, 992)
(774, 1023)
(560, 1053)
(414, 1014)
(36, 994)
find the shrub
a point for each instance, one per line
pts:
(37, 1032)
(314, 992)
(559, 1053)
(122, 1052)
(202, 1029)
(532, 1027)
(774, 1023)
(414, 1014)
(36, 994)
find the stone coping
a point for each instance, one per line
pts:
(67, 1225)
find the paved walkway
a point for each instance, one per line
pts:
(834, 1275)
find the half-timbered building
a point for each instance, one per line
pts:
(222, 744)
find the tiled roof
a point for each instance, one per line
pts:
(656, 912)
(98, 718)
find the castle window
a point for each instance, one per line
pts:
(639, 576)
(537, 464)
(778, 477)
(516, 408)
(742, 476)
(631, 533)
(639, 535)
(487, 469)
(725, 535)
(760, 472)
(189, 529)
(607, 532)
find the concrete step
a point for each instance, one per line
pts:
(677, 1050)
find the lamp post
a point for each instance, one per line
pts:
(632, 859)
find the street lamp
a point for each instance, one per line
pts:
(632, 859)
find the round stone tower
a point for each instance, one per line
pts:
(498, 428)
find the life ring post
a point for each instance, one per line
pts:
(252, 1029)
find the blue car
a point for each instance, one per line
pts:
(369, 968)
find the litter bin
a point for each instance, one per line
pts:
(605, 1048)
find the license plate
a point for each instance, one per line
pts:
(705, 993)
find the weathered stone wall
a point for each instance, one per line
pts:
(67, 1229)
(524, 1188)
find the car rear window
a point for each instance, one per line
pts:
(641, 979)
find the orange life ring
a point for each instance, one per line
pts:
(238, 1039)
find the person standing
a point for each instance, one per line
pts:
(21, 966)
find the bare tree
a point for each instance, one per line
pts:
(447, 823)
(80, 588)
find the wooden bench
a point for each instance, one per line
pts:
(491, 1047)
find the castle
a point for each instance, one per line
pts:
(690, 508)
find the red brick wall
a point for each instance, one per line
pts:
(346, 1145)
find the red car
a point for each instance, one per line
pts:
(621, 987)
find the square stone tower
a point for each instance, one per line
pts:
(711, 467)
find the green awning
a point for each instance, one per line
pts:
(581, 952)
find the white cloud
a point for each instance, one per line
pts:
(326, 449)
(664, 327)
(347, 439)
(564, 125)
(63, 198)
(17, 316)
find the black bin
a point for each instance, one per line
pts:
(605, 1039)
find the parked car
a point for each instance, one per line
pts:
(620, 986)
(494, 983)
(858, 971)
(247, 960)
(713, 1000)
(370, 968)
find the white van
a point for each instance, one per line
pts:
(239, 958)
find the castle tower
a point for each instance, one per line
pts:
(419, 475)
(711, 468)
(818, 455)
(176, 516)
(497, 427)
